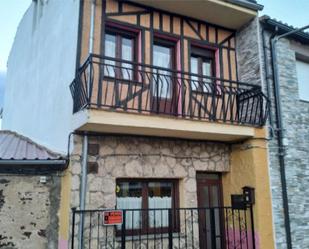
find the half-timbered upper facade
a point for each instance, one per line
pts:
(150, 71)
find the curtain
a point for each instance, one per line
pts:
(110, 51)
(133, 218)
(159, 218)
(194, 70)
(206, 67)
(162, 78)
(126, 51)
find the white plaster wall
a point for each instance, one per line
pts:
(41, 65)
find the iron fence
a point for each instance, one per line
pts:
(119, 85)
(207, 228)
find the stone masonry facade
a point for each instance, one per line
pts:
(296, 140)
(28, 212)
(112, 157)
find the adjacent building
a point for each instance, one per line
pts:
(30, 190)
(286, 71)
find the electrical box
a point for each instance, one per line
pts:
(238, 202)
(43, 179)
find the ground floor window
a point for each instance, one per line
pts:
(147, 202)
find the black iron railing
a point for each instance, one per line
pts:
(119, 85)
(205, 228)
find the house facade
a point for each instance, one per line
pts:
(288, 158)
(163, 109)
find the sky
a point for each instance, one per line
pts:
(293, 12)
(11, 12)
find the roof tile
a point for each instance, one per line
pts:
(14, 146)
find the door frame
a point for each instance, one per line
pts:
(200, 182)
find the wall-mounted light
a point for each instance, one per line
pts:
(249, 195)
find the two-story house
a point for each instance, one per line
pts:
(286, 73)
(162, 107)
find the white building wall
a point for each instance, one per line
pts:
(41, 66)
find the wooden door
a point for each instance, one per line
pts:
(209, 194)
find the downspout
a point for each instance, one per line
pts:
(267, 78)
(280, 133)
(83, 189)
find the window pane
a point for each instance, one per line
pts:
(110, 51)
(162, 56)
(110, 45)
(162, 80)
(209, 176)
(206, 70)
(159, 196)
(194, 70)
(127, 46)
(303, 79)
(127, 54)
(129, 196)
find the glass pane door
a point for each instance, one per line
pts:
(127, 54)
(195, 71)
(202, 66)
(110, 51)
(162, 82)
(162, 99)
(209, 200)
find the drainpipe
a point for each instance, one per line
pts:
(280, 132)
(267, 78)
(83, 189)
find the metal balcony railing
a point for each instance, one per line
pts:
(165, 228)
(119, 85)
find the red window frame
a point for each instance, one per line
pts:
(119, 34)
(146, 229)
(203, 54)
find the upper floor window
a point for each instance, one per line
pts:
(202, 65)
(120, 46)
(302, 69)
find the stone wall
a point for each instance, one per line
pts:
(28, 212)
(248, 50)
(296, 140)
(112, 157)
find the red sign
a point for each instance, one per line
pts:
(112, 217)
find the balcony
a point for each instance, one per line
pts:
(116, 96)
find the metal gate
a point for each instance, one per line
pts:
(225, 228)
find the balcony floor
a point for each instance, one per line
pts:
(93, 120)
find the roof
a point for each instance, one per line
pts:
(273, 24)
(21, 155)
(14, 146)
(251, 4)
